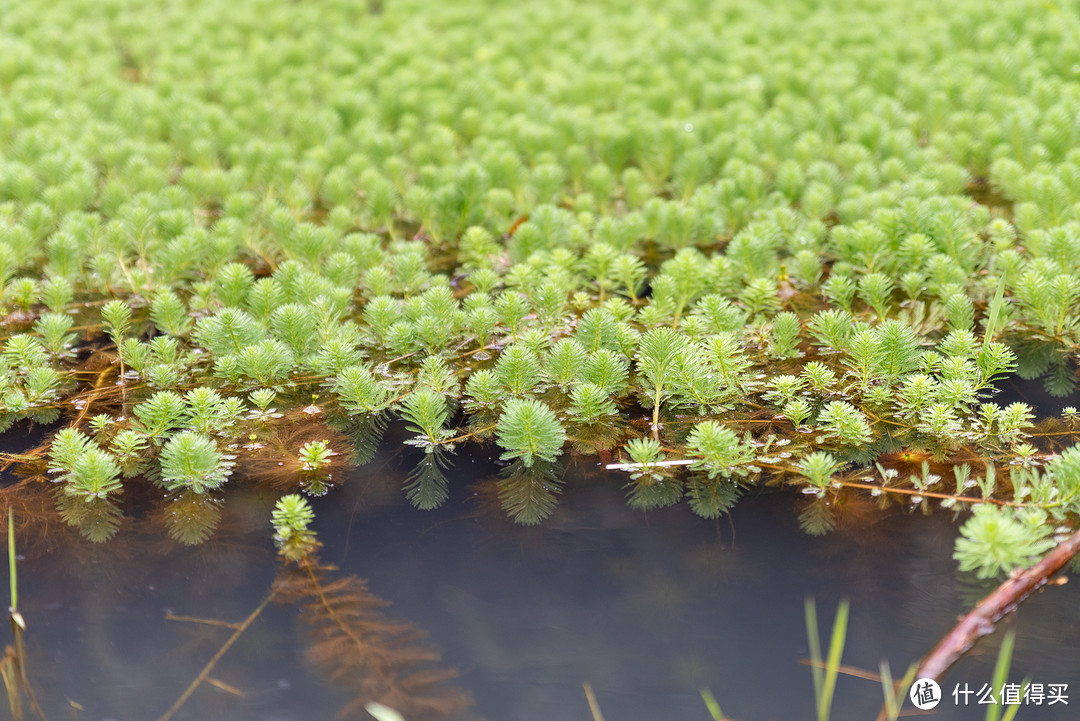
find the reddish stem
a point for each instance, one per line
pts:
(980, 620)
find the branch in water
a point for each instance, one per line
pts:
(980, 620)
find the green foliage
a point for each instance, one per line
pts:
(191, 461)
(607, 369)
(590, 403)
(129, 450)
(518, 369)
(818, 468)
(529, 431)
(53, 329)
(229, 331)
(362, 229)
(93, 475)
(483, 391)
(875, 289)
(315, 455)
(117, 317)
(162, 413)
(57, 293)
(68, 444)
(565, 362)
(719, 450)
(24, 353)
(845, 423)
(652, 484)
(291, 517)
(266, 362)
(659, 353)
(784, 336)
(359, 392)
(996, 540)
(425, 410)
(207, 411)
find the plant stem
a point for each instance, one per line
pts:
(217, 657)
(980, 620)
(594, 707)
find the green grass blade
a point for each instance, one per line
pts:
(711, 704)
(895, 694)
(832, 669)
(1011, 711)
(814, 639)
(891, 711)
(12, 578)
(1001, 673)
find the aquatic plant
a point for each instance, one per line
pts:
(825, 669)
(801, 266)
(529, 430)
(376, 660)
(13, 665)
(190, 460)
(291, 518)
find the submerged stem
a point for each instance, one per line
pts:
(980, 620)
(217, 657)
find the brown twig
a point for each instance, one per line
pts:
(980, 620)
(204, 675)
(853, 671)
(928, 494)
(594, 707)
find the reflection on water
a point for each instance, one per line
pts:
(645, 608)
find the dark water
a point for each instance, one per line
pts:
(647, 608)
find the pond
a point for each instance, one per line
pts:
(645, 608)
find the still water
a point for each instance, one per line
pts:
(646, 608)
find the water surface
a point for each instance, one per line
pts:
(647, 608)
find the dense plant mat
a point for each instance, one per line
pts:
(724, 243)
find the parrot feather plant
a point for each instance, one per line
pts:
(808, 266)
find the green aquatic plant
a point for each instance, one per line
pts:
(315, 455)
(13, 665)
(529, 431)
(192, 461)
(117, 316)
(998, 539)
(777, 269)
(291, 517)
(314, 459)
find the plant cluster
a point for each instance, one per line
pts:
(741, 241)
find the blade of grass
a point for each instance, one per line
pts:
(15, 661)
(1001, 672)
(894, 693)
(1010, 713)
(594, 707)
(711, 704)
(14, 672)
(836, 651)
(814, 639)
(12, 580)
(891, 709)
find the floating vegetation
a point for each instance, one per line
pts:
(723, 245)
